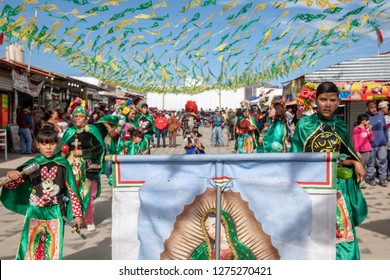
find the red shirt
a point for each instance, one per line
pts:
(161, 122)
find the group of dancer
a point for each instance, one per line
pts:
(67, 180)
(274, 137)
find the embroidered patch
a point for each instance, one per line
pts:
(43, 240)
(344, 231)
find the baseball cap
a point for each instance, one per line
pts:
(383, 104)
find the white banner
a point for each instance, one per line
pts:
(273, 206)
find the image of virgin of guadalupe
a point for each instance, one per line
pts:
(231, 247)
(242, 235)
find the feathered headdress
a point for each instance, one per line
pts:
(306, 97)
(245, 105)
(191, 107)
(78, 106)
(125, 106)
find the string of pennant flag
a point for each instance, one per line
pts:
(190, 46)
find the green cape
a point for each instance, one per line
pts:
(276, 132)
(17, 200)
(354, 199)
(95, 132)
(256, 135)
(309, 125)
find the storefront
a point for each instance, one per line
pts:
(359, 80)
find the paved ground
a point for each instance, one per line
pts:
(373, 234)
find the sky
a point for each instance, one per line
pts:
(210, 49)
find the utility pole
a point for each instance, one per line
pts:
(219, 96)
(31, 47)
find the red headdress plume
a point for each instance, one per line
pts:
(191, 107)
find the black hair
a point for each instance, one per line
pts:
(327, 87)
(280, 112)
(48, 115)
(47, 134)
(370, 101)
(361, 118)
(137, 133)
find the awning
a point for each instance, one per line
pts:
(112, 94)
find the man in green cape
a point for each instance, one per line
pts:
(323, 132)
(86, 157)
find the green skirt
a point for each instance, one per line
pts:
(351, 211)
(43, 234)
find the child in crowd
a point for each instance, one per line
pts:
(194, 145)
(362, 138)
(136, 145)
(45, 197)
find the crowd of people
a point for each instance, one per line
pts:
(73, 145)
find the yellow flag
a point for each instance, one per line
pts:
(73, 12)
(89, 45)
(296, 33)
(260, 7)
(134, 38)
(267, 36)
(207, 19)
(347, 27)
(21, 20)
(125, 22)
(72, 30)
(332, 6)
(238, 21)
(153, 33)
(145, 16)
(159, 5)
(363, 19)
(110, 2)
(180, 39)
(220, 58)
(220, 47)
(47, 48)
(282, 51)
(309, 3)
(98, 58)
(48, 7)
(285, 31)
(229, 6)
(207, 34)
(164, 73)
(168, 24)
(30, 2)
(322, 3)
(183, 20)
